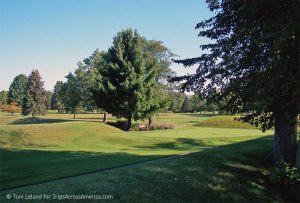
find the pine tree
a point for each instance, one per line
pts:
(124, 82)
(25, 107)
(35, 95)
(17, 89)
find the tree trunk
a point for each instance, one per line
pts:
(128, 123)
(104, 117)
(150, 121)
(285, 140)
(74, 116)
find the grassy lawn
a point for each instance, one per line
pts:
(56, 146)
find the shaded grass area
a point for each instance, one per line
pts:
(23, 121)
(33, 166)
(235, 172)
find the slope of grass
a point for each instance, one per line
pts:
(56, 146)
(225, 122)
(235, 172)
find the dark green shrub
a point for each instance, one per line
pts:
(286, 179)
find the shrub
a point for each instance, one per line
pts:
(11, 108)
(286, 179)
(154, 126)
(122, 124)
(162, 126)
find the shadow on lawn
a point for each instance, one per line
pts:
(230, 173)
(180, 144)
(36, 120)
(25, 167)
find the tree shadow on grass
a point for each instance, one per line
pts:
(32, 120)
(26, 167)
(202, 115)
(230, 173)
(36, 120)
(179, 144)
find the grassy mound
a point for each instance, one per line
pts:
(225, 122)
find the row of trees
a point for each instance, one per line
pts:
(128, 80)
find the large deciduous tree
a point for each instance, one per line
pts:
(125, 81)
(17, 89)
(34, 101)
(253, 60)
(73, 95)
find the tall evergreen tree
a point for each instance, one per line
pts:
(34, 102)
(17, 89)
(57, 97)
(125, 82)
(253, 61)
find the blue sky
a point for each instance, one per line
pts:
(53, 35)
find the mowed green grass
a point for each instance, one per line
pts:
(225, 122)
(56, 146)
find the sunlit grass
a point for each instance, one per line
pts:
(56, 145)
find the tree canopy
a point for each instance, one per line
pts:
(253, 62)
(125, 79)
(17, 89)
(57, 97)
(34, 100)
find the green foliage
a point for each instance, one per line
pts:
(34, 101)
(25, 107)
(3, 97)
(125, 79)
(57, 97)
(253, 60)
(186, 106)
(48, 96)
(17, 89)
(197, 103)
(286, 179)
(175, 98)
(73, 94)
(155, 51)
